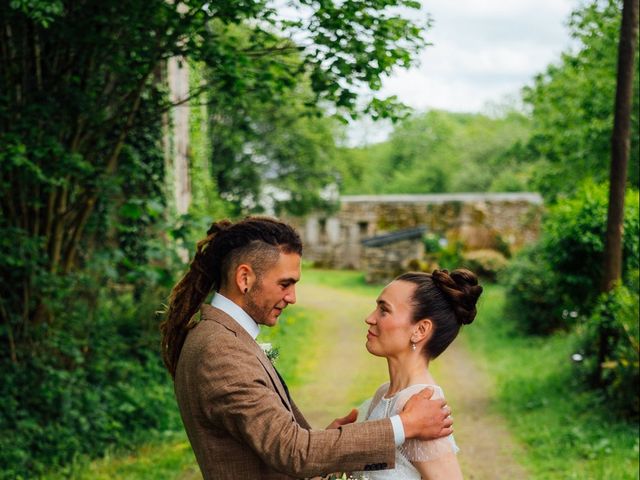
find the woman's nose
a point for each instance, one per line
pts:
(370, 320)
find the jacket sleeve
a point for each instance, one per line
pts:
(235, 393)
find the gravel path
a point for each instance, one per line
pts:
(335, 384)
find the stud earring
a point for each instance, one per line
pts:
(413, 346)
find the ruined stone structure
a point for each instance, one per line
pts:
(502, 221)
(386, 256)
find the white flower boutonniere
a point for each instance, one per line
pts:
(270, 351)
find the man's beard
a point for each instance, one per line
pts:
(260, 314)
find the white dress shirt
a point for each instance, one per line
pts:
(253, 329)
(238, 314)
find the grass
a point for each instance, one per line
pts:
(292, 336)
(172, 457)
(368, 379)
(342, 279)
(567, 432)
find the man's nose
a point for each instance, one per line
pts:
(290, 297)
(370, 320)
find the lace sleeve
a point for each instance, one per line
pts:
(424, 450)
(363, 410)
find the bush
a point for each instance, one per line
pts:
(562, 272)
(486, 263)
(608, 348)
(532, 302)
(78, 395)
(573, 240)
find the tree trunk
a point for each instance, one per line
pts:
(178, 80)
(620, 138)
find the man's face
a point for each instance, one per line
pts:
(274, 291)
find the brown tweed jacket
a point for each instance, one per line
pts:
(241, 424)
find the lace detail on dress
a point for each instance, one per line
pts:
(419, 451)
(363, 410)
(423, 450)
(412, 450)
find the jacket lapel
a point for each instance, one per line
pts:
(209, 312)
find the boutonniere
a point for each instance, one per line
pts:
(270, 351)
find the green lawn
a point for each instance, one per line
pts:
(567, 433)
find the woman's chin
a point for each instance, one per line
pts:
(371, 349)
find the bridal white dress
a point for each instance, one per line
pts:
(412, 450)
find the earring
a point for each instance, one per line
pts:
(413, 346)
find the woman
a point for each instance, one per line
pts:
(417, 316)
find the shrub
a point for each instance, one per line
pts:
(432, 243)
(608, 347)
(562, 272)
(77, 394)
(450, 256)
(485, 262)
(532, 302)
(573, 240)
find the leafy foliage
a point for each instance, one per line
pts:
(96, 384)
(532, 297)
(89, 243)
(441, 151)
(88, 71)
(544, 401)
(608, 342)
(486, 263)
(271, 154)
(563, 272)
(572, 105)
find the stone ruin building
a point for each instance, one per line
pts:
(477, 221)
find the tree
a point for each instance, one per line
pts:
(440, 151)
(620, 140)
(571, 105)
(612, 269)
(75, 76)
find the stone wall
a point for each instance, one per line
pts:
(477, 221)
(382, 264)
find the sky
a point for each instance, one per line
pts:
(482, 52)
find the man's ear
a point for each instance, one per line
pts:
(422, 330)
(245, 277)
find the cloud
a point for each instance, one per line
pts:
(482, 50)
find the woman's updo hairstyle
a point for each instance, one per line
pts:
(447, 299)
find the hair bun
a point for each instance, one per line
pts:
(462, 289)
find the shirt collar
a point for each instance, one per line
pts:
(238, 314)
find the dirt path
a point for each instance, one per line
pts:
(345, 371)
(487, 449)
(332, 388)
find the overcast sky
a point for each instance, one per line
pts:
(483, 51)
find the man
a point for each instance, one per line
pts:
(240, 419)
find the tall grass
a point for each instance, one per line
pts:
(569, 433)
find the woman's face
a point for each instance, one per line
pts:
(390, 326)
